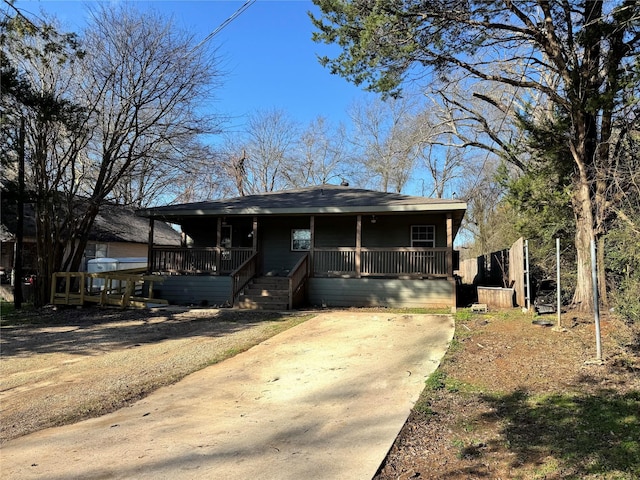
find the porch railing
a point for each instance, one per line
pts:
(383, 262)
(243, 275)
(327, 262)
(297, 277)
(204, 260)
(124, 288)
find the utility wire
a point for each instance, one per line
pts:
(235, 15)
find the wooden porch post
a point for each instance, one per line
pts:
(449, 245)
(259, 260)
(312, 227)
(452, 280)
(150, 245)
(219, 232)
(255, 233)
(358, 244)
(218, 242)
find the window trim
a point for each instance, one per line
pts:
(430, 229)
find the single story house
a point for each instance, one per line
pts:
(322, 246)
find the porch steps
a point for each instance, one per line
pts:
(265, 293)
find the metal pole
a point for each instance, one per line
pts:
(596, 302)
(558, 282)
(526, 256)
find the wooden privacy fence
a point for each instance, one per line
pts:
(504, 269)
(517, 271)
(123, 288)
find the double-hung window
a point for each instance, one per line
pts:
(423, 236)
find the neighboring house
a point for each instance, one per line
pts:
(117, 232)
(324, 246)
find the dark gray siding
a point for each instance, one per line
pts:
(395, 230)
(330, 231)
(365, 292)
(274, 239)
(334, 231)
(195, 290)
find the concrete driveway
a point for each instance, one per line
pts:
(323, 400)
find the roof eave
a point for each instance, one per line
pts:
(169, 213)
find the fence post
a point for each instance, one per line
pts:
(54, 282)
(596, 300)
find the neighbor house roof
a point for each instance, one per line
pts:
(114, 223)
(318, 200)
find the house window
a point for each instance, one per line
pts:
(300, 239)
(423, 236)
(95, 250)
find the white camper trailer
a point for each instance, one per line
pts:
(102, 265)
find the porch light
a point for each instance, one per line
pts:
(373, 219)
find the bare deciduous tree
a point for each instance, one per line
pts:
(259, 158)
(389, 136)
(135, 112)
(321, 156)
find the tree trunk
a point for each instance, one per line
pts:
(583, 295)
(17, 260)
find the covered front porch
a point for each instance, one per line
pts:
(345, 243)
(301, 248)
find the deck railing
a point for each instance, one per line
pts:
(383, 262)
(297, 278)
(124, 288)
(243, 275)
(204, 260)
(327, 262)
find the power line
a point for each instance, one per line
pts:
(235, 15)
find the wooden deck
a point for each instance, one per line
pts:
(122, 288)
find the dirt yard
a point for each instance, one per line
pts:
(66, 365)
(514, 400)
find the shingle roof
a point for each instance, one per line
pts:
(114, 223)
(310, 200)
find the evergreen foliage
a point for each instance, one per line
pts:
(575, 61)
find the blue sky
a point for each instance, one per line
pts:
(267, 54)
(269, 59)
